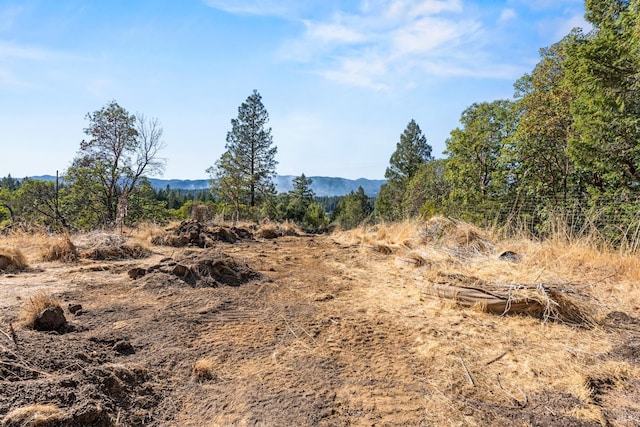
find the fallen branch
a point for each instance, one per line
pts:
(466, 371)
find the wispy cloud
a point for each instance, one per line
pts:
(383, 42)
(285, 9)
(15, 51)
(507, 15)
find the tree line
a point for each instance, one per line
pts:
(567, 145)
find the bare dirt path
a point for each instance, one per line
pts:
(332, 334)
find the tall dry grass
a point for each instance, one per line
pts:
(12, 260)
(60, 249)
(447, 246)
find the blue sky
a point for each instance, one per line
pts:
(340, 79)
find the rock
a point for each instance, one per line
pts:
(181, 270)
(509, 256)
(137, 272)
(50, 319)
(74, 308)
(123, 347)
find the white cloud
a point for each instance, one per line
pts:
(361, 72)
(14, 51)
(385, 43)
(507, 15)
(281, 8)
(332, 33)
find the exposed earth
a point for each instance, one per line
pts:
(298, 330)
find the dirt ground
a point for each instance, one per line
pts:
(299, 330)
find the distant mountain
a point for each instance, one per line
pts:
(321, 185)
(327, 186)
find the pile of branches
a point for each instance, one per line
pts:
(559, 302)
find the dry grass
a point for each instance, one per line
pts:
(557, 279)
(110, 246)
(12, 259)
(273, 230)
(33, 416)
(60, 249)
(36, 304)
(203, 370)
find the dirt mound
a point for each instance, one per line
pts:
(208, 269)
(195, 233)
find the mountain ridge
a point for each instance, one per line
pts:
(322, 186)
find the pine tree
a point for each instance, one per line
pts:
(243, 175)
(411, 152)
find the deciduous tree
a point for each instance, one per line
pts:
(120, 151)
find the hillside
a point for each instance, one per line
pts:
(322, 185)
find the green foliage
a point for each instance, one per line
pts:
(315, 216)
(602, 69)
(9, 183)
(144, 207)
(299, 199)
(475, 168)
(388, 205)
(411, 152)
(353, 209)
(427, 191)
(243, 174)
(37, 202)
(121, 149)
(538, 150)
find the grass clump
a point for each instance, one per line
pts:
(33, 416)
(12, 260)
(61, 249)
(203, 370)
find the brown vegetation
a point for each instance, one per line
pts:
(33, 416)
(61, 249)
(328, 330)
(12, 260)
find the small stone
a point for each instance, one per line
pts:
(137, 272)
(509, 256)
(74, 308)
(51, 319)
(123, 347)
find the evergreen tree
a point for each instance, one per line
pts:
(243, 175)
(411, 152)
(300, 198)
(352, 209)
